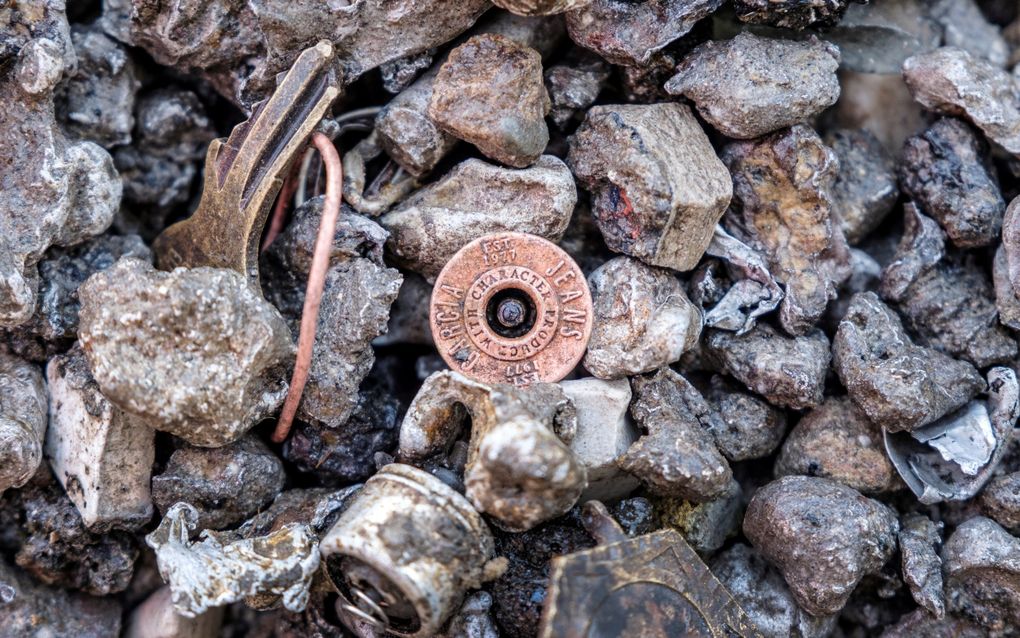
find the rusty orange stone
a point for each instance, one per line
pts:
(511, 308)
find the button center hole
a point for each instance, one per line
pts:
(510, 313)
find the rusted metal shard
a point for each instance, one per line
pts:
(511, 308)
(652, 585)
(243, 173)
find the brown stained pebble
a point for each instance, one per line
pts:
(705, 526)
(404, 127)
(97, 102)
(750, 428)
(490, 92)
(763, 594)
(947, 301)
(677, 455)
(635, 33)
(920, 541)
(749, 86)
(57, 549)
(511, 308)
(657, 187)
(23, 420)
(225, 485)
(791, 14)
(947, 171)
(196, 352)
(783, 207)
(1000, 501)
(101, 455)
(31, 609)
(865, 188)
(899, 385)
(836, 441)
(951, 81)
(981, 564)
(788, 371)
(476, 199)
(357, 291)
(823, 536)
(642, 319)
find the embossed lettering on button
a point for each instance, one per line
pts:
(511, 308)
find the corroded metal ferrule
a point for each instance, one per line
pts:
(408, 548)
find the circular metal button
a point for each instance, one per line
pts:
(511, 308)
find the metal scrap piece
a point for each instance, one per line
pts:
(244, 172)
(654, 585)
(953, 458)
(755, 295)
(222, 568)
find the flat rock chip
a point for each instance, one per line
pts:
(920, 540)
(476, 199)
(947, 172)
(783, 208)
(791, 14)
(947, 301)
(837, 441)
(981, 564)
(865, 189)
(951, 81)
(763, 594)
(23, 419)
(643, 319)
(788, 371)
(490, 92)
(635, 33)
(31, 609)
(196, 352)
(750, 427)
(822, 535)
(676, 456)
(226, 485)
(657, 187)
(749, 86)
(357, 295)
(1000, 501)
(101, 455)
(897, 384)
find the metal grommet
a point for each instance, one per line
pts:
(511, 308)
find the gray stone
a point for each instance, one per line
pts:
(865, 189)
(642, 319)
(749, 86)
(981, 564)
(23, 420)
(196, 352)
(920, 540)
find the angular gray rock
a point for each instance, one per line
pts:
(788, 371)
(642, 319)
(657, 187)
(920, 540)
(897, 384)
(865, 189)
(749, 86)
(476, 199)
(750, 427)
(195, 352)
